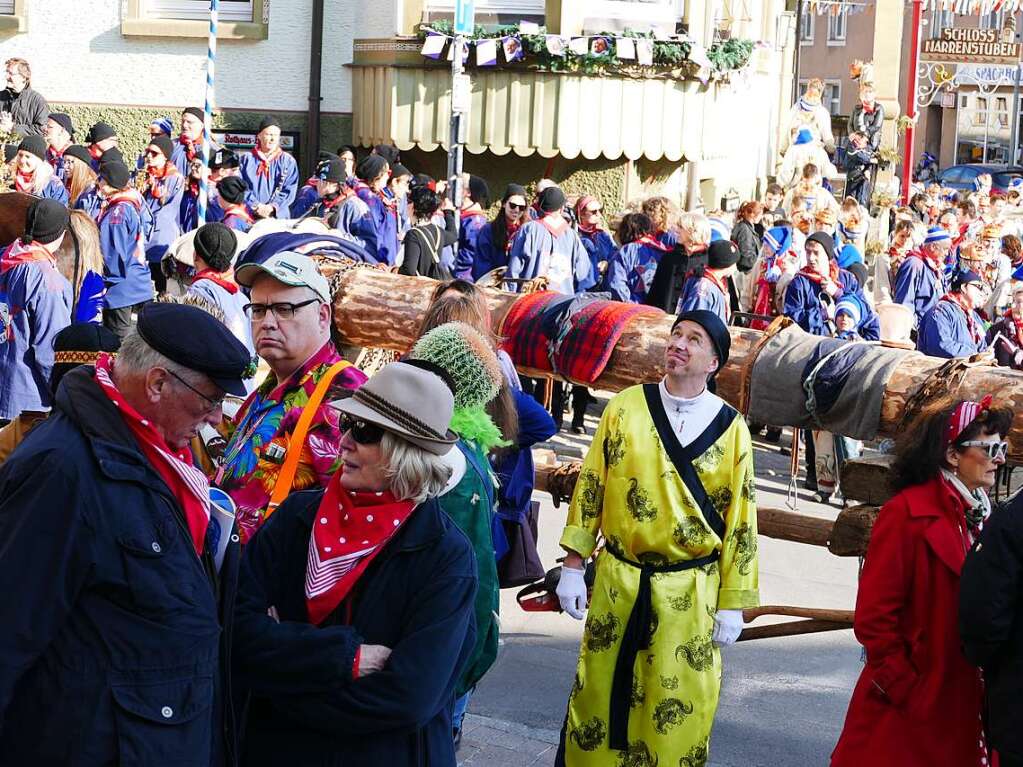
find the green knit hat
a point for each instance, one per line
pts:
(470, 360)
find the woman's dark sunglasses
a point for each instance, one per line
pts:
(362, 432)
(513, 206)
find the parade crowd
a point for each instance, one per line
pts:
(212, 566)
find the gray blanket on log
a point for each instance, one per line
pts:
(776, 387)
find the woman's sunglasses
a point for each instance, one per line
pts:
(363, 432)
(513, 206)
(993, 449)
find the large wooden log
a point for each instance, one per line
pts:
(868, 479)
(381, 309)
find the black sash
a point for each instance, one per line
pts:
(637, 630)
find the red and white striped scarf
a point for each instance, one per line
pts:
(188, 484)
(351, 528)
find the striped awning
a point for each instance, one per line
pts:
(527, 112)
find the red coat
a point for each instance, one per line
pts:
(918, 701)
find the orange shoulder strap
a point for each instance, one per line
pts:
(287, 476)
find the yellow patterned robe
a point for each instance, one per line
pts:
(630, 492)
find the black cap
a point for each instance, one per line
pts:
(195, 112)
(964, 277)
(716, 329)
(99, 132)
(268, 122)
(33, 145)
(113, 154)
(164, 144)
(79, 152)
(552, 199)
(479, 191)
(115, 173)
(331, 168)
(514, 190)
(194, 338)
(80, 344)
(423, 179)
(722, 254)
(370, 167)
(388, 152)
(64, 121)
(398, 170)
(232, 189)
(45, 221)
(223, 158)
(826, 241)
(215, 244)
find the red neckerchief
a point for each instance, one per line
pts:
(971, 323)
(193, 187)
(187, 483)
(333, 202)
(472, 210)
(512, 230)
(190, 146)
(869, 108)
(390, 203)
(813, 276)
(157, 178)
(263, 169)
(651, 241)
(218, 277)
(129, 196)
(52, 154)
(555, 223)
(935, 264)
(19, 253)
(719, 282)
(95, 152)
(25, 182)
(238, 210)
(590, 229)
(351, 529)
(1017, 326)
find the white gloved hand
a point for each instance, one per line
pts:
(571, 591)
(727, 627)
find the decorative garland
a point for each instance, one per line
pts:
(630, 54)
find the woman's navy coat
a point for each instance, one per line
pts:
(111, 642)
(416, 598)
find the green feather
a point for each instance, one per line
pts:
(474, 424)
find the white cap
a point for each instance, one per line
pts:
(290, 268)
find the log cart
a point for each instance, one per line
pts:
(379, 309)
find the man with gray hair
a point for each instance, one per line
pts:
(113, 649)
(22, 110)
(273, 449)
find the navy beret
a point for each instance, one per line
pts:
(716, 329)
(199, 341)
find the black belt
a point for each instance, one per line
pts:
(636, 638)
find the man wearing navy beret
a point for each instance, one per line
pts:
(113, 649)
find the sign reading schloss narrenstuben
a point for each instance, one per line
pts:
(976, 46)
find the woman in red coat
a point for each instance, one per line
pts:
(918, 700)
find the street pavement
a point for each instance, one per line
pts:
(783, 700)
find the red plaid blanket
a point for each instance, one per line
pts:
(586, 344)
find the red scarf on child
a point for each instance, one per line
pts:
(19, 253)
(349, 531)
(25, 182)
(187, 483)
(263, 169)
(218, 277)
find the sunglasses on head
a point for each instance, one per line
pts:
(993, 449)
(363, 432)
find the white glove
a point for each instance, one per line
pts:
(571, 591)
(727, 627)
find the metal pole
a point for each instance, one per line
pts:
(315, 87)
(914, 75)
(207, 132)
(1014, 135)
(799, 45)
(457, 138)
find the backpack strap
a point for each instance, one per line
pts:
(287, 476)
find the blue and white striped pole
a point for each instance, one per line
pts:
(211, 63)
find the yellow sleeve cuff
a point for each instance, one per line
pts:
(579, 540)
(738, 599)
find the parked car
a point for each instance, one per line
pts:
(965, 176)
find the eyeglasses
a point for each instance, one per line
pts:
(362, 432)
(214, 403)
(994, 450)
(282, 311)
(513, 206)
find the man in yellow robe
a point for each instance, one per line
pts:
(669, 484)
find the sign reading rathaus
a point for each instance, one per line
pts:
(977, 46)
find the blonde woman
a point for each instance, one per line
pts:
(80, 180)
(33, 174)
